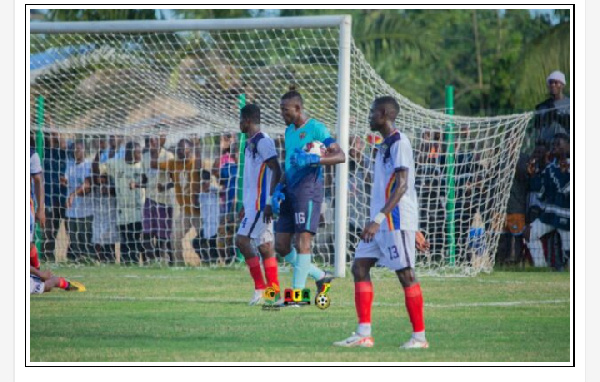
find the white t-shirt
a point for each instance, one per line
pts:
(156, 176)
(209, 210)
(257, 175)
(129, 201)
(395, 154)
(76, 173)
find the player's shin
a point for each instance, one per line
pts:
(270, 265)
(363, 301)
(413, 299)
(301, 271)
(256, 273)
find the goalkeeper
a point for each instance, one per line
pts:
(298, 199)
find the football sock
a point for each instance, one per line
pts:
(413, 299)
(292, 257)
(363, 300)
(419, 336)
(313, 271)
(256, 273)
(63, 283)
(301, 271)
(270, 265)
(34, 261)
(364, 330)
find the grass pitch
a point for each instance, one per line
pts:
(199, 314)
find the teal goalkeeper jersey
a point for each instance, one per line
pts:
(297, 138)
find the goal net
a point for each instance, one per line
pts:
(98, 90)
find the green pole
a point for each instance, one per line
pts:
(240, 173)
(39, 147)
(451, 200)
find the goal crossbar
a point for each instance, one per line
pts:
(143, 26)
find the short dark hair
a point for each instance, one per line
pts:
(292, 94)
(186, 140)
(251, 112)
(205, 174)
(390, 103)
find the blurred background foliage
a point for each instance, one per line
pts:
(496, 59)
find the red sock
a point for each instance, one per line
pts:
(33, 258)
(270, 265)
(363, 299)
(413, 299)
(255, 271)
(62, 283)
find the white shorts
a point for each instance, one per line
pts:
(392, 249)
(254, 227)
(36, 285)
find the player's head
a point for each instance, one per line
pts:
(184, 149)
(133, 152)
(556, 82)
(249, 118)
(79, 151)
(384, 111)
(291, 106)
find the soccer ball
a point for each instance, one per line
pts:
(322, 301)
(315, 147)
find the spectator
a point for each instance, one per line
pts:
(79, 205)
(358, 198)
(511, 241)
(114, 149)
(158, 208)
(208, 199)
(126, 173)
(552, 115)
(555, 188)
(55, 164)
(536, 163)
(105, 232)
(185, 172)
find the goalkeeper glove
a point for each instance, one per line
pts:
(276, 199)
(301, 159)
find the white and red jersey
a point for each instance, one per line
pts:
(395, 154)
(257, 175)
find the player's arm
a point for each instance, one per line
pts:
(401, 187)
(333, 156)
(273, 165)
(141, 184)
(38, 180)
(85, 188)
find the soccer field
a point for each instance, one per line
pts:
(200, 314)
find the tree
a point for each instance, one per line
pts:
(103, 14)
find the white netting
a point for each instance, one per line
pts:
(119, 87)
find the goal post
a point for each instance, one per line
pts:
(109, 83)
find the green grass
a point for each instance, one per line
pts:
(199, 314)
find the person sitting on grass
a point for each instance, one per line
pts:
(43, 281)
